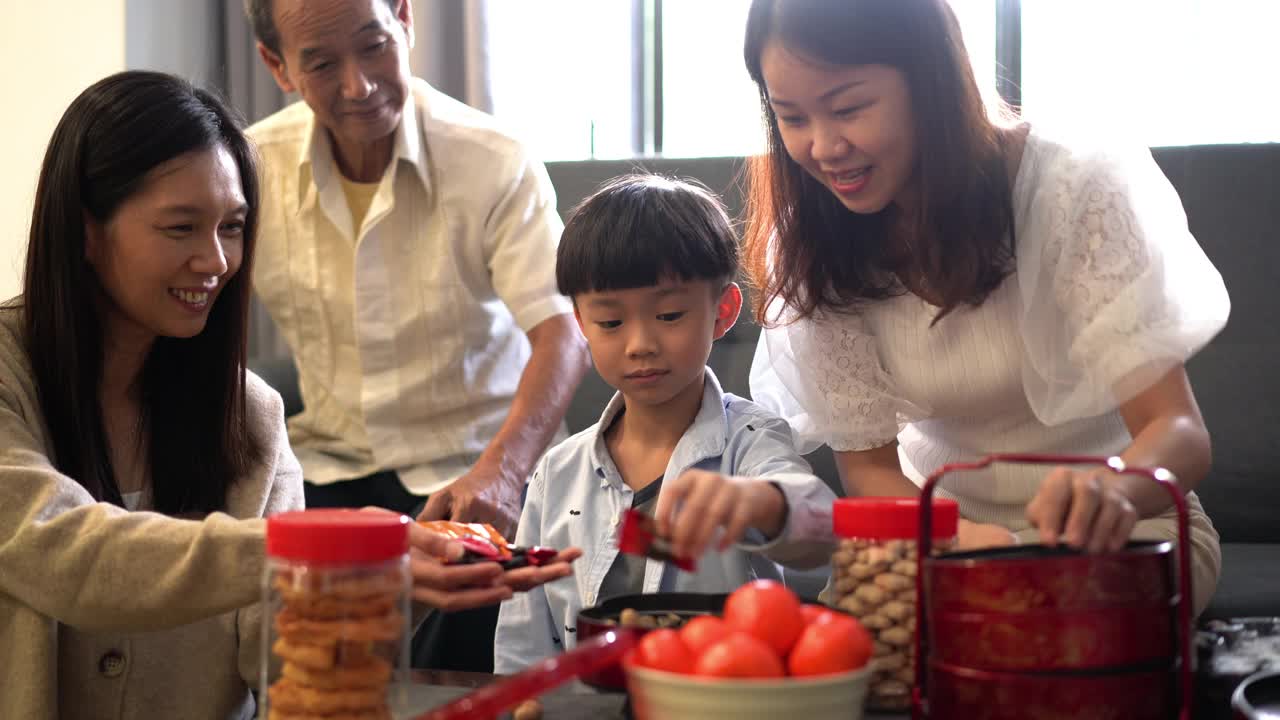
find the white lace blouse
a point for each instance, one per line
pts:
(1110, 292)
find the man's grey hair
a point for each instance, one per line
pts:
(264, 23)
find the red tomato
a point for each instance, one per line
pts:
(702, 632)
(663, 650)
(833, 643)
(811, 613)
(768, 610)
(739, 655)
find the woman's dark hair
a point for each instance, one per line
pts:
(802, 245)
(637, 229)
(193, 390)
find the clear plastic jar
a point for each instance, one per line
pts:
(336, 593)
(873, 576)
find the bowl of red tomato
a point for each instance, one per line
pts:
(767, 655)
(641, 613)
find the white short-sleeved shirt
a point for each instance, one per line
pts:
(409, 334)
(1110, 292)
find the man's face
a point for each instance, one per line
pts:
(349, 59)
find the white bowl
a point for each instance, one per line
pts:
(658, 695)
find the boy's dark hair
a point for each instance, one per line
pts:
(638, 229)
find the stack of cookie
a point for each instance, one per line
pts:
(338, 639)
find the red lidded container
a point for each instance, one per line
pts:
(1033, 631)
(335, 635)
(873, 578)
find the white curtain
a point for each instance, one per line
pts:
(452, 48)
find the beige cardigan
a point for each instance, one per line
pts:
(106, 613)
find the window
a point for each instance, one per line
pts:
(1171, 72)
(710, 106)
(579, 77)
(575, 76)
(560, 75)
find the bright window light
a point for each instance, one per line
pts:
(1169, 72)
(560, 74)
(711, 107)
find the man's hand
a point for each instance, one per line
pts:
(482, 495)
(1084, 508)
(490, 491)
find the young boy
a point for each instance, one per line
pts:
(649, 264)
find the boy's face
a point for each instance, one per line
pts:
(652, 342)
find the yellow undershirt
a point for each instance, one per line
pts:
(359, 197)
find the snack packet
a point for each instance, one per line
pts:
(639, 536)
(483, 543)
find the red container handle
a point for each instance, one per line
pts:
(1160, 476)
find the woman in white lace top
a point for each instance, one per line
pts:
(937, 285)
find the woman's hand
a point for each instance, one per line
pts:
(693, 507)
(461, 587)
(1084, 508)
(977, 536)
(528, 578)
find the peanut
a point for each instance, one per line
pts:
(846, 585)
(891, 688)
(876, 621)
(897, 610)
(896, 636)
(893, 582)
(852, 605)
(905, 567)
(862, 572)
(878, 556)
(889, 663)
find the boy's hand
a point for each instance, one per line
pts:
(698, 503)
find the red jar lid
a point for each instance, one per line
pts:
(337, 537)
(885, 518)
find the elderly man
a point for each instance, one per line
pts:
(407, 254)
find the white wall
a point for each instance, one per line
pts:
(49, 53)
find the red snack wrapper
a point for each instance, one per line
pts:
(640, 537)
(482, 543)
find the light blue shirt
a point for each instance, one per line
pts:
(577, 497)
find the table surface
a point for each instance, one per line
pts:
(432, 688)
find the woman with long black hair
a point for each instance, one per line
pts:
(137, 454)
